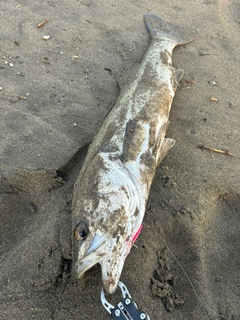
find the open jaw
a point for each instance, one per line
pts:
(90, 259)
(92, 255)
(101, 251)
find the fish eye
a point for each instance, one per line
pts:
(81, 231)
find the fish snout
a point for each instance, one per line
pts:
(110, 285)
(111, 272)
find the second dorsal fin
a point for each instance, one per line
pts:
(124, 76)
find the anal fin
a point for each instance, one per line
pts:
(177, 76)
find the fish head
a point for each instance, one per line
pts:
(89, 247)
(93, 246)
(106, 217)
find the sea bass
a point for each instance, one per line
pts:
(112, 189)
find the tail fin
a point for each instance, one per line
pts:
(161, 29)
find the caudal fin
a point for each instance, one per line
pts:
(163, 30)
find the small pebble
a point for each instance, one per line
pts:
(204, 53)
(46, 37)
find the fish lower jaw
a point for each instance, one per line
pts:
(91, 259)
(110, 287)
(83, 267)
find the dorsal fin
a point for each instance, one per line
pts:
(167, 144)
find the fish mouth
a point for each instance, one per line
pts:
(95, 253)
(101, 251)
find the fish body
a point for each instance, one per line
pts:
(112, 189)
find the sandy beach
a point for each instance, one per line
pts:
(59, 61)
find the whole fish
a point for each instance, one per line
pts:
(112, 189)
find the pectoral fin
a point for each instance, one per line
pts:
(135, 136)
